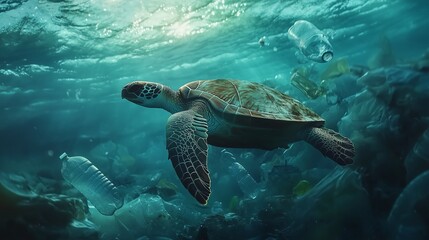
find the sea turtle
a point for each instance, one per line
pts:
(235, 114)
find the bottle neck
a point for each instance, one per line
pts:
(317, 48)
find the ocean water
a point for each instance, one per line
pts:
(63, 65)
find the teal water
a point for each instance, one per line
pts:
(63, 65)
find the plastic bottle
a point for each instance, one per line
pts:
(92, 183)
(312, 42)
(246, 182)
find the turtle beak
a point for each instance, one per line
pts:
(124, 92)
(130, 91)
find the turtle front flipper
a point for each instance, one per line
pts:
(187, 150)
(331, 144)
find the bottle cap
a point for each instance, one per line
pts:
(327, 56)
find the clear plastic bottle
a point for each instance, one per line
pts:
(246, 182)
(92, 183)
(312, 42)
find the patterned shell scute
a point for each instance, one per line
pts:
(248, 99)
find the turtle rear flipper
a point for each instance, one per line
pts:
(187, 150)
(331, 144)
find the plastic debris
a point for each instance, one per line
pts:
(408, 214)
(301, 188)
(312, 42)
(246, 182)
(145, 215)
(417, 159)
(307, 86)
(92, 183)
(335, 69)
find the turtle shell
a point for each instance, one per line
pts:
(238, 99)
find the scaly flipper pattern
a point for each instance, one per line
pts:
(187, 150)
(331, 144)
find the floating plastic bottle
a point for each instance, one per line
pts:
(312, 42)
(246, 182)
(92, 183)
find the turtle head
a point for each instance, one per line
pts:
(146, 94)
